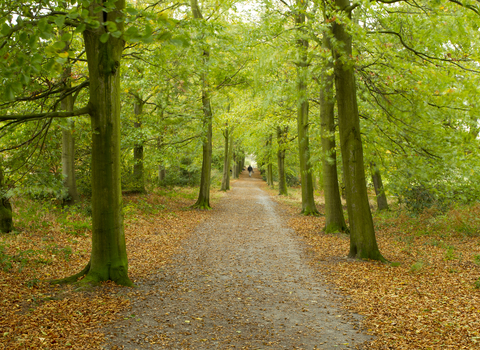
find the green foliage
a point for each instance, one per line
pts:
(450, 254)
(187, 173)
(476, 259)
(477, 284)
(5, 259)
(417, 267)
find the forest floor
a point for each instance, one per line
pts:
(242, 281)
(220, 278)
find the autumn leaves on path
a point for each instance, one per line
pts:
(241, 281)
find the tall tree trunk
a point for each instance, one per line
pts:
(282, 182)
(161, 173)
(269, 164)
(203, 201)
(109, 256)
(227, 158)
(68, 148)
(226, 166)
(238, 166)
(6, 214)
(230, 157)
(234, 166)
(308, 202)
(334, 219)
(138, 171)
(378, 185)
(270, 174)
(363, 244)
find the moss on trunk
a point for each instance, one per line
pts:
(334, 219)
(108, 260)
(203, 201)
(363, 244)
(308, 202)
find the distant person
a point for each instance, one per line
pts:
(250, 170)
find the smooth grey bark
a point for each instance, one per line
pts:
(138, 168)
(363, 243)
(6, 213)
(308, 201)
(334, 219)
(281, 140)
(68, 148)
(378, 186)
(203, 201)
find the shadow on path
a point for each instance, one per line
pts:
(242, 281)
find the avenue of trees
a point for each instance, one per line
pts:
(100, 97)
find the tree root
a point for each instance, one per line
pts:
(310, 212)
(201, 206)
(74, 278)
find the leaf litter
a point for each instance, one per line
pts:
(240, 280)
(37, 315)
(427, 301)
(428, 298)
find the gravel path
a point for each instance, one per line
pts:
(242, 281)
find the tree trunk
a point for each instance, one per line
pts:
(68, 149)
(161, 173)
(203, 201)
(234, 166)
(270, 165)
(138, 171)
(334, 219)
(378, 185)
(109, 256)
(282, 182)
(6, 214)
(270, 174)
(226, 162)
(308, 202)
(363, 244)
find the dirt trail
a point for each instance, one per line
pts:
(242, 281)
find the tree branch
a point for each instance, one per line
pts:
(34, 116)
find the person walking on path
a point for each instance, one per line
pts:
(250, 170)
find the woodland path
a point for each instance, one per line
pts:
(242, 281)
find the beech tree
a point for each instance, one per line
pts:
(334, 219)
(363, 243)
(308, 202)
(102, 26)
